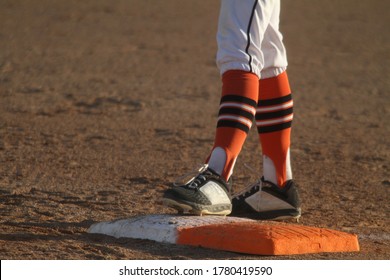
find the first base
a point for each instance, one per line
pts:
(231, 234)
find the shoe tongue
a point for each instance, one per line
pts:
(219, 176)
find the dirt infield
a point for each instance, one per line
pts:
(104, 103)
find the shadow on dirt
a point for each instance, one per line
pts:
(107, 245)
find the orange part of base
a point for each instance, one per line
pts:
(268, 238)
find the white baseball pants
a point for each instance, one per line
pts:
(249, 38)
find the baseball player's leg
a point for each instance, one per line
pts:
(275, 196)
(274, 116)
(275, 106)
(236, 113)
(242, 24)
(241, 28)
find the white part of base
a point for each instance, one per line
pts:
(160, 228)
(143, 227)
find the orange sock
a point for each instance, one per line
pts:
(274, 116)
(236, 113)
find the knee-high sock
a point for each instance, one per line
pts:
(236, 113)
(274, 116)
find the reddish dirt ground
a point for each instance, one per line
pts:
(104, 103)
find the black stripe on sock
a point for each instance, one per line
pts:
(233, 124)
(274, 115)
(236, 112)
(239, 99)
(275, 101)
(273, 128)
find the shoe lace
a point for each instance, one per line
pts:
(196, 178)
(251, 187)
(199, 177)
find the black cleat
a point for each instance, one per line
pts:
(205, 194)
(264, 200)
